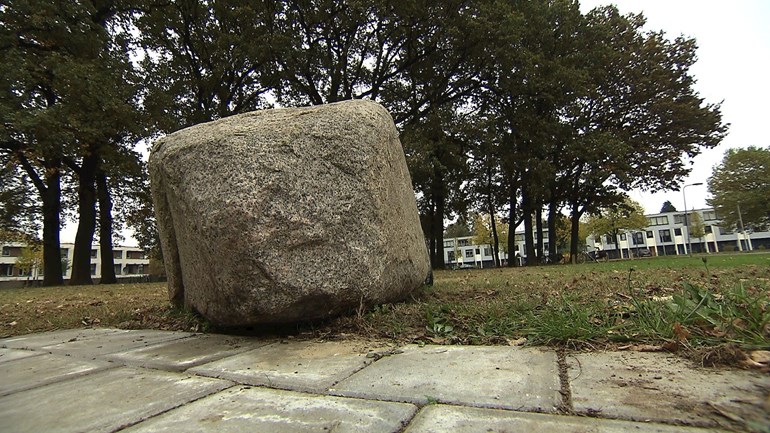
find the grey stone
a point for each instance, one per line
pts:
(501, 377)
(101, 402)
(179, 355)
(37, 341)
(271, 411)
(111, 342)
(288, 214)
(12, 354)
(32, 372)
(441, 419)
(662, 387)
(301, 366)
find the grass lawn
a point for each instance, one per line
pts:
(714, 306)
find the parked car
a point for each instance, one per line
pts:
(643, 252)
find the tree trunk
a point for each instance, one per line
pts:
(81, 259)
(52, 259)
(529, 243)
(539, 231)
(105, 230)
(574, 238)
(438, 224)
(495, 240)
(512, 227)
(553, 213)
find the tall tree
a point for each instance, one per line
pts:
(740, 187)
(627, 216)
(696, 229)
(43, 46)
(639, 119)
(667, 207)
(205, 60)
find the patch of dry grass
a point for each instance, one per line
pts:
(664, 303)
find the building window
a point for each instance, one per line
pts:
(677, 232)
(486, 251)
(136, 255)
(463, 242)
(450, 256)
(117, 254)
(658, 220)
(519, 238)
(93, 254)
(709, 215)
(517, 247)
(449, 243)
(468, 254)
(665, 235)
(93, 268)
(622, 236)
(638, 238)
(117, 269)
(650, 235)
(6, 251)
(64, 252)
(679, 219)
(6, 270)
(608, 239)
(708, 229)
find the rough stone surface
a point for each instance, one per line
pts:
(659, 387)
(441, 419)
(502, 377)
(247, 409)
(288, 214)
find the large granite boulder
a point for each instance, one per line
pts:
(288, 214)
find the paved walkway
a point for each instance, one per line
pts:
(108, 380)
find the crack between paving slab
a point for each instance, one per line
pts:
(131, 424)
(565, 406)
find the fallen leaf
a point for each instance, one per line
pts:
(642, 348)
(760, 356)
(680, 332)
(517, 342)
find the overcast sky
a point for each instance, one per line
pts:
(733, 66)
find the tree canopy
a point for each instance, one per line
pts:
(518, 110)
(740, 188)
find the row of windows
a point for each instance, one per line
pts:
(118, 254)
(9, 251)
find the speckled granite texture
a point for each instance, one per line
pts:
(288, 214)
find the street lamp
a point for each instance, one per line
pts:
(686, 223)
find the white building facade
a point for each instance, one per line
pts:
(666, 234)
(129, 262)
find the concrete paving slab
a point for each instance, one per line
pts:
(12, 354)
(497, 377)
(32, 372)
(37, 341)
(101, 402)
(661, 387)
(246, 409)
(308, 366)
(458, 419)
(119, 340)
(179, 355)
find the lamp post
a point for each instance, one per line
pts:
(686, 213)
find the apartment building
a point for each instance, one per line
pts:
(666, 234)
(129, 262)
